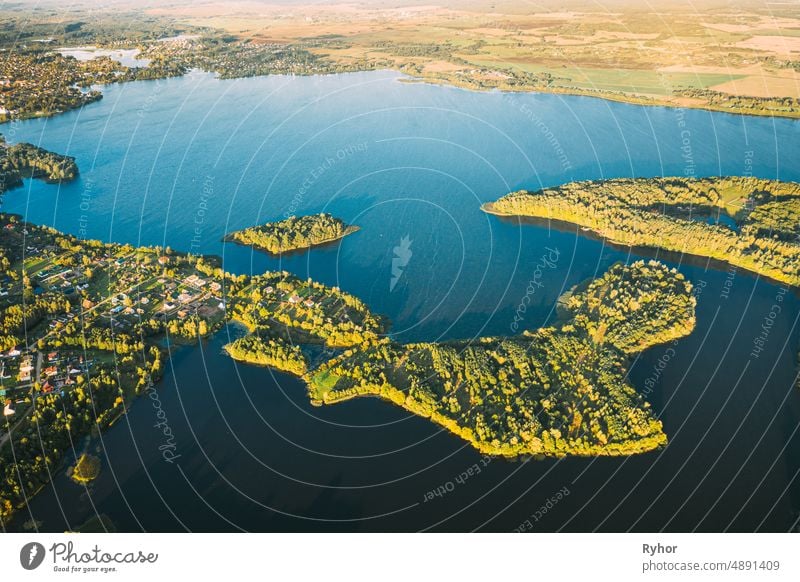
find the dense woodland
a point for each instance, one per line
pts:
(293, 233)
(557, 391)
(24, 160)
(86, 469)
(680, 214)
(273, 352)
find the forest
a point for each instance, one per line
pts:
(24, 160)
(86, 469)
(682, 215)
(102, 317)
(560, 390)
(293, 233)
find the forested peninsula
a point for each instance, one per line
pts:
(293, 233)
(748, 222)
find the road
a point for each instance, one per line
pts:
(4, 439)
(38, 376)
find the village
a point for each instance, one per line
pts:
(74, 310)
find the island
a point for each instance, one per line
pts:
(85, 328)
(85, 470)
(293, 233)
(751, 223)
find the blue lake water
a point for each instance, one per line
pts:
(180, 162)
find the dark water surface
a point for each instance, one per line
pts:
(181, 162)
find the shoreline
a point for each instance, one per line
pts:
(626, 99)
(595, 230)
(351, 229)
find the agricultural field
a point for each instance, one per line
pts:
(701, 55)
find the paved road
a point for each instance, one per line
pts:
(38, 376)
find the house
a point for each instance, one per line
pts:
(24, 375)
(294, 299)
(8, 410)
(215, 287)
(27, 364)
(163, 260)
(269, 289)
(47, 388)
(308, 303)
(52, 356)
(87, 304)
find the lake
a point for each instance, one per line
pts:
(181, 162)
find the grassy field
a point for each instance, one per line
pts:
(616, 46)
